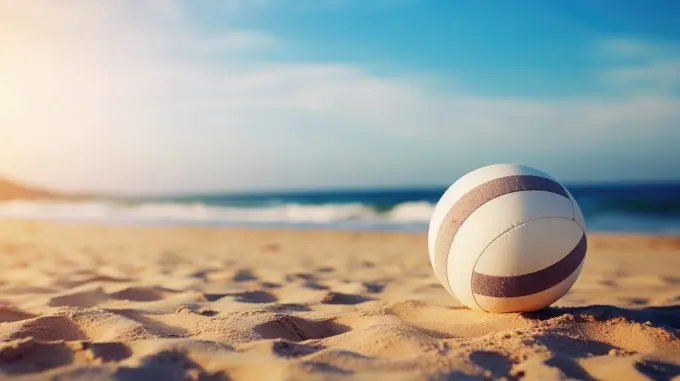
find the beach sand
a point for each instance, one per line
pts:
(81, 302)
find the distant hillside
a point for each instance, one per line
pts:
(14, 191)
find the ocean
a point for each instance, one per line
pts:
(644, 208)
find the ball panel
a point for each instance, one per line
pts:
(464, 185)
(455, 266)
(530, 247)
(527, 284)
(528, 303)
(477, 197)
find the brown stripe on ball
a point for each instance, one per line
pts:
(527, 284)
(477, 197)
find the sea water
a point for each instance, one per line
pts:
(646, 208)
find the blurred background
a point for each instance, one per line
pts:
(333, 113)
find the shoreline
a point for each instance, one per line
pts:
(290, 227)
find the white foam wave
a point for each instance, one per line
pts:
(405, 213)
(411, 212)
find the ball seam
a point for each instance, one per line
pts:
(494, 240)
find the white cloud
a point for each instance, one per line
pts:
(643, 66)
(240, 6)
(128, 95)
(659, 76)
(627, 47)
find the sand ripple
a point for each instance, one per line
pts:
(175, 304)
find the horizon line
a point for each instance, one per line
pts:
(32, 186)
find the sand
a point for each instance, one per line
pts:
(82, 302)
(16, 191)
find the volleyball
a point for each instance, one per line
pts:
(507, 238)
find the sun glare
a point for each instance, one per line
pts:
(8, 103)
(4, 99)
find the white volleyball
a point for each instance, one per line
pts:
(507, 238)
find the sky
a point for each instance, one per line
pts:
(184, 96)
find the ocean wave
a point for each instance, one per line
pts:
(407, 215)
(407, 212)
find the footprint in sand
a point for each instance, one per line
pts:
(297, 329)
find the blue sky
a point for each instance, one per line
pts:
(489, 47)
(171, 95)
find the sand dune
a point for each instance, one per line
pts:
(10, 190)
(79, 302)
